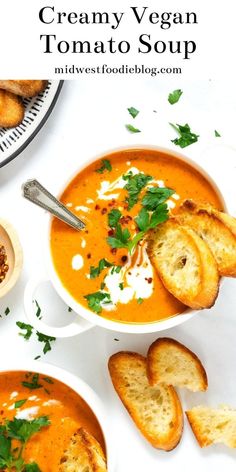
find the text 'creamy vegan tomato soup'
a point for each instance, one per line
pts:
(38, 417)
(106, 267)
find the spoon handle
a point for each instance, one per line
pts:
(37, 194)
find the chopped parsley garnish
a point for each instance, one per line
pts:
(217, 134)
(43, 338)
(116, 270)
(174, 96)
(140, 300)
(135, 183)
(27, 327)
(105, 165)
(36, 358)
(156, 196)
(38, 312)
(132, 129)
(114, 217)
(103, 285)
(133, 112)
(145, 221)
(11, 457)
(95, 299)
(32, 383)
(19, 403)
(69, 309)
(121, 286)
(120, 238)
(186, 137)
(48, 380)
(96, 271)
(7, 311)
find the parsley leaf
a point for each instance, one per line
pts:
(140, 300)
(155, 196)
(5, 449)
(133, 112)
(186, 137)
(132, 129)
(96, 271)
(114, 217)
(135, 183)
(95, 300)
(32, 467)
(43, 338)
(121, 286)
(217, 135)
(19, 403)
(120, 238)
(38, 312)
(116, 269)
(7, 311)
(27, 327)
(105, 165)
(174, 96)
(32, 384)
(22, 429)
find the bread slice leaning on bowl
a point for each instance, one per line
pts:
(156, 411)
(24, 88)
(11, 110)
(217, 229)
(84, 453)
(211, 425)
(172, 363)
(184, 263)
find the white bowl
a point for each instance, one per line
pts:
(91, 318)
(80, 387)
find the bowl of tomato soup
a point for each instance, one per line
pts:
(43, 408)
(104, 272)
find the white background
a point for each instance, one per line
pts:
(86, 121)
(22, 52)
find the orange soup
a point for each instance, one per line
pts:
(31, 397)
(105, 267)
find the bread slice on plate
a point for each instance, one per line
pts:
(184, 263)
(172, 363)
(11, 110)
(216, 228)
(211, 425)
(24, 88)
(84, 454)
(156, 411)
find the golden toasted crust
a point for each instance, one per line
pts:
(184, 263)
(216, 228)
(211, 425)
(83, 453)
(156, 411)
(11, 110)
(170, 362)
(24, 88)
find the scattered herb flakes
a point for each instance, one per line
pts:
(186, 137)
(135, 184)
(174, 96)
(7, 311)
(133, 112)
(103, 285)
(19, 403)
(132, 129)
(27, 327)
(33, 383)
(116, 270)
(114, 217)
(217, 134)
(140, 300)
(121, 286)
(120, 238)
(95, 299)
(47, 391)
(43, 338)
(115, 339)
(156, 196)
(32, 467)
(96, 271)
(69, 309)
(38, 312)
(48, 380)
(36, 358)
(22, 429)
(105, 165)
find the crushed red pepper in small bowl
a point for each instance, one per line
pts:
(4, 267)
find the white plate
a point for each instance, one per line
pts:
(37, 110)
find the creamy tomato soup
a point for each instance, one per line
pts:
(30, 396)
(118, 282)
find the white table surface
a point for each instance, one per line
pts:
(88, 119)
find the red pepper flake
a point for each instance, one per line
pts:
(114, 250)
(97, 207)
(104, 211)
(125, 219)
(124, 258)
(112, 203)
(89, 255)
(148, 279)
(111, 232)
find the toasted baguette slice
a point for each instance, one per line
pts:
(84, 454)
(185, 264)
(216, 228)
(170, 362)
(213, 425)
(11, 110)
(156, 411)
(24, 88)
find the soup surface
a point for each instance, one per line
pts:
(101, 266)
(44, 396)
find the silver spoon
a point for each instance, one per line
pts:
(37, 194)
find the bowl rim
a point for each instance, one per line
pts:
(125, 327)
(18, 257)
(79, 386)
